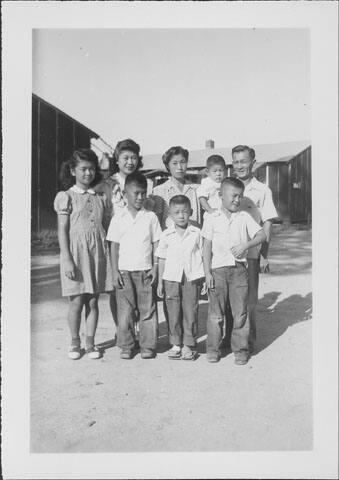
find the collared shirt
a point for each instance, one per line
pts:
(135, 237)
(210, 190)
(258, 202)
(182, 254)
(163, 194)
(226, 233)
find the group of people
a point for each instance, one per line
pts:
(124, 237)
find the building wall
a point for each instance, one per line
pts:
(54, 137)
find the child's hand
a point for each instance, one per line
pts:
(153, 274)
(209, 281)
(239, 250)
(69, 268)
(160, 289)
(118, 281)
(264, 267)
(214, 212)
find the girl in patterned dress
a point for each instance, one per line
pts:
(85, 265)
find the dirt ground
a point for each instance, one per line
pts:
(114, 405)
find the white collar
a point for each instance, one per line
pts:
(189, 229)
(253, 183)
(77, 189)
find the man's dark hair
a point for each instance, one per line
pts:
(136, 178)
(234, 182)
(180, 200)
(244, 148)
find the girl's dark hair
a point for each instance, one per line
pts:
(66, 177)
(127, 144)
(166, 158)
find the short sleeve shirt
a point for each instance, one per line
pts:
(258, 202)
(135, 237)
(182, 254)
(225, 233)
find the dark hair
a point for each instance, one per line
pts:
(244, 148)
(137, 178)
(127, 144)
(180, 200)
(234, 182)
(167, 156)
(215, 160)
(86, 154)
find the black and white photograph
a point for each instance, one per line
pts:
(177, 299)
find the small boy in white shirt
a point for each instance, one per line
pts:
(180, 274)
(209, 191)
(134, 234)
(227, 238)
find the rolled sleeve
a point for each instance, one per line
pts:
(252, 226)
(202, 191)
(113, 233)
(268, 210)
(161, 251)
(156, 229)
(207, 228)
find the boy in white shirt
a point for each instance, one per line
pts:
(208, 192)
(227, 238)
(180, 273)
(134, 234)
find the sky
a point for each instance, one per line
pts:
(165, 87)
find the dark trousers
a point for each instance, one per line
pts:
(181, 302)
(138, 294)
(230, 283)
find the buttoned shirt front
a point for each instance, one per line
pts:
(225, 233)
(210, 190)
(135, 236)
(182, 254)
(163, 194)
(258, 202)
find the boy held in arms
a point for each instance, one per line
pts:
(180, 273)
(227, 238)
(208, 192)
(134, 234)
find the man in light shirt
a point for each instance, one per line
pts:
(227, 239)
(258, 202)
(180, 274)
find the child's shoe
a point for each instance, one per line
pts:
(93, 353)
(74, 352)
(175, 352)
(126, 354)
(187, 353)
(147, 353)
(240, 358)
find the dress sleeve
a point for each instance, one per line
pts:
(63, 204)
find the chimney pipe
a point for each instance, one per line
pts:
(209, 144)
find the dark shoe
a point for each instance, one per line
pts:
(126, 354)
(147, 353)
(213, 357)
(240, 359)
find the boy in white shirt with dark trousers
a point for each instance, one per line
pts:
(134, 234)
(227, 238)
(180, 274)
